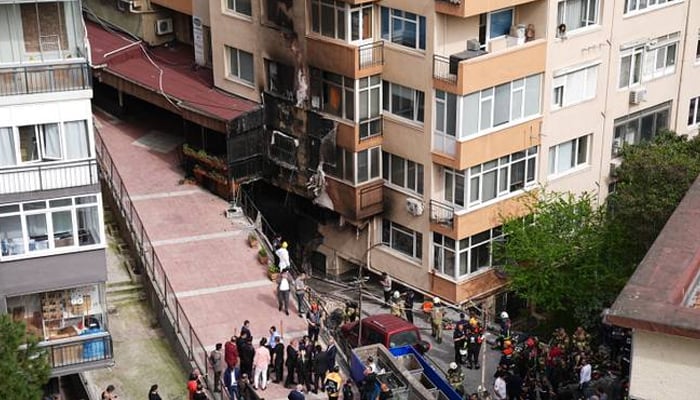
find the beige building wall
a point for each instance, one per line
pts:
(664, 367)
(690, 78)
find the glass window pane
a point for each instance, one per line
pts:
(77, 140)
(62, 223)
(11, 238)
(459, 190)
(501, 114)
(582, 156)
(489, 186)
(374, 163)
(485, 118)
(246, 60)
(52, 141)
(532, 95)
(38, 232)
(470, 114)
(362, 166)
(88, 226)
(28, 146)
(411, 175)
(7, 147)
(474, 190)
(397, 170)
(565, 155)
(419, 188)
(451, 114)
(500, 21)
(517, 176)
(449, 262)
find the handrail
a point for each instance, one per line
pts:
(44, 79)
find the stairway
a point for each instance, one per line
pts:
(123, 293)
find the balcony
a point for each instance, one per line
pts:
(346, 59)
(506, 61)
(356, 202)
(47, 176)
(477, 286)
(44, 79)
(458, 223)
(77, 354)
(469, 8)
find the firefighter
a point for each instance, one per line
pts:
(436, 315)
(455, 377)
(396, 305)
(474, 339)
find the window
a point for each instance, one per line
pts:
(490, 180)
(445, 113)
(328, 18)
(642, 125)
(361, 19)
(239, 6)
(569, 155)
(404, 101)
(694, 111)
(283, 149)
(240, 65)
(697, 48)
(280, 13)
(402, 172)
(500, 105)
(39, 226)
(652, 60)
(46, 142)
(403, 28)
(576, 14)
(574, 87)
(280, 79)
(369, 96)
(499, 23)
(639, 5)
(459, 258)
(333, 94)
(402, 239)
(357, 167)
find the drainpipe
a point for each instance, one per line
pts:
(682, 58)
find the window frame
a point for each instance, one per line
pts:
(391, 17)
(391, 228)
(236, 76)
(232, 6)
(371, 124)
(694, 112)
(347, 167)
(576, 143)
(563, 82)
(586, 21)
(417, 101)
(39, 138)
(412, 181)
(622, 133)
(634, 6)
(463, 252)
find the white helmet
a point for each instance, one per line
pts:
(504, 315)
(397, 294)
(453, 365)
(436, 300)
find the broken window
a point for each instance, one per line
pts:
(280, 13)
(283, 149)
(280, 79)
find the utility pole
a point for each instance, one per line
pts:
(360, 284)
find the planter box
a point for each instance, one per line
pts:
(204, 159)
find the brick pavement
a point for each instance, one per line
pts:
(214, 273)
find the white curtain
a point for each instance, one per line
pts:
(77, 142)
(571, 13)
(7, 148)
(52, 141)
(89, 225)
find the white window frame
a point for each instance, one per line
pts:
(636, 56)
(658, 53)
(586, 20)
(364, 88)
(394, 228)
(635, 6)
(340, 12)
(462, 250)
(40, 139)
(694, 112)
(232, 6)
(47, 211)
(412, 179)
(633, 136)
(489, 16)
(564, 83)
(236, 75)
(579, 160)
(420, 23)
(343, 156)
(417, 99)
(697, 49)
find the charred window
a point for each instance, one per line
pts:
(280, 13)
(280, 79)
(283, 149)
(333, 94)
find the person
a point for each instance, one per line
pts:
(455, 377)
(397, 305)
(291, 362)
(283, 289)
(231, 378)
(108, 393)
(474, 340)
(297, 393)
(370, 387)
(371, 366)
(386, 288)
(283, 257)
(192, 383)
(585, 378)
(436, 315)
(505, 324)
(246, 355)
(601, 394)
(272, 340)
(499, 386)
(231, 352)
(385, 392)
(313, 321)
(245, 329)
(300, 293)
(278, 360)
(153, 393)
(459, 337)
(331, 353)
(261, 361)
(304, 367)
(333, 383)
(347, 390)
(200, 394)
(408, 302)
(216, 360)
(319, 364)
(514, 385)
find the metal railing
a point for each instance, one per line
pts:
(79, 350)
(54, 175)
(371, 54)
(44, 79)
(441, 69)
(171, 307)
(441, 213)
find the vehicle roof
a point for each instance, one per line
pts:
(389, 323)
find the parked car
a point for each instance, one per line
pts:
(386, 329)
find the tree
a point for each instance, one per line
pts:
(651, 181)
(555, 259)
(24, 367)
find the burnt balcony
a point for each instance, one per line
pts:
(346, 59)
(471, 70)
(44, 79)
(77, 354)
(356, 202)
(469, 8)
(47, 176)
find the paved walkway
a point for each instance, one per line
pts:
(214, 273)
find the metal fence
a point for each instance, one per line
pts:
(371, 54)
(47, 177)
(44, 79)
(441, 69)
(171, 307)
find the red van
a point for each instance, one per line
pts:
(386, 329)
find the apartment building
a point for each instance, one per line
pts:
(52, 260)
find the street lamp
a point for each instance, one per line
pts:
(360, 280)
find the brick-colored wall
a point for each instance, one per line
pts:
(50, 22)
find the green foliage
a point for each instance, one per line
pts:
(262, 252)
(23, 366)
(652, 180)
(273, 269)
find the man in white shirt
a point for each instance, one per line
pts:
(499, 387)
(585, 378)
(283, 288)
(283, 256)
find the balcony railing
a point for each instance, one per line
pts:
(44, 79)
(371, 54)
(78, 353)
(48, 176)
(441, 69)
(442, 214)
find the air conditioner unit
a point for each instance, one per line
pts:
(473, 45)
(414, 206)
(638, 96)
(164, 26)
(614, 165)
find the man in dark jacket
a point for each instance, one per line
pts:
(247, 352)
(278, 360)
(331, 352)
(291, 362)
(320, 367)
(231, 378)
(304, 368)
